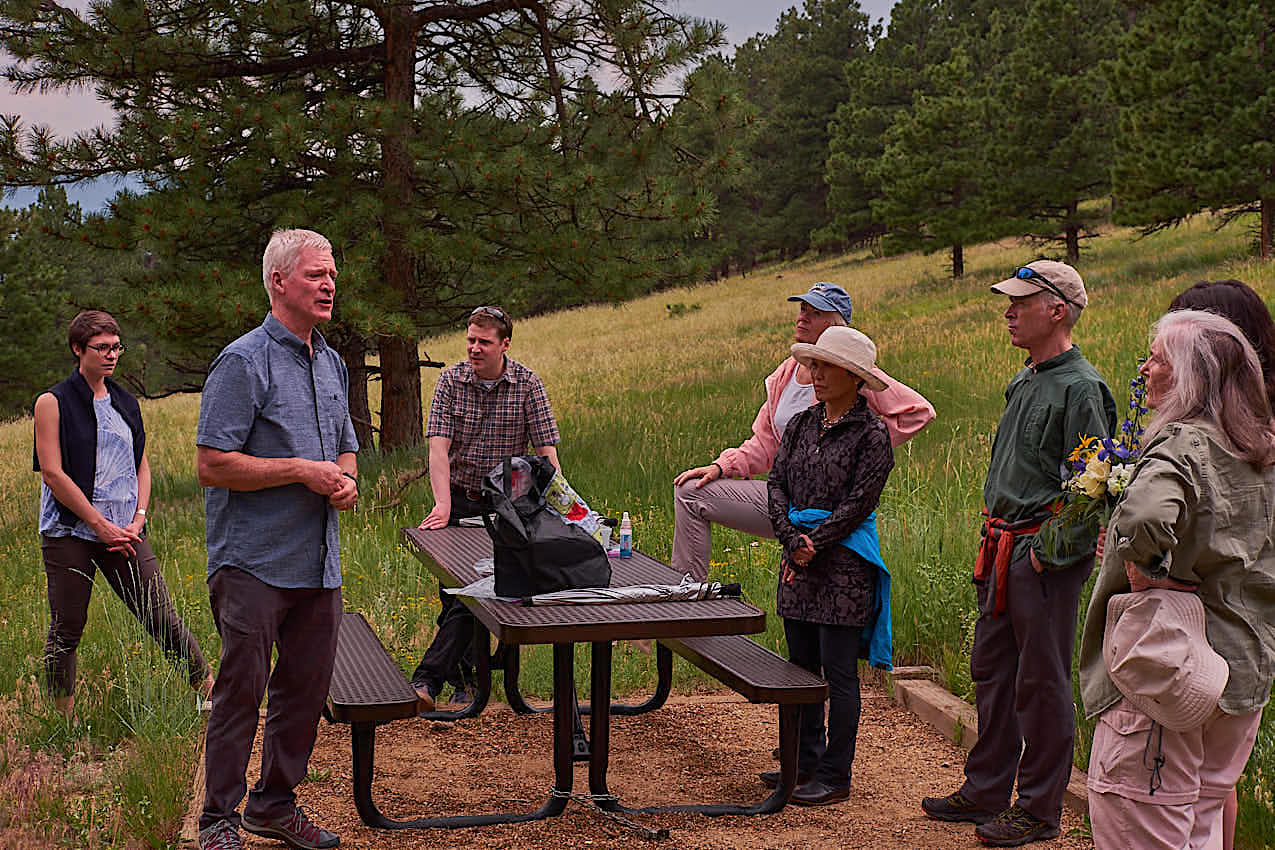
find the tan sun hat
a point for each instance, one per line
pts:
(1046, 276)
(844, 347)
(1157, 654)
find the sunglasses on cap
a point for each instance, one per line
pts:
(1034, 276)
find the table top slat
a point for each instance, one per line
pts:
(449, 553)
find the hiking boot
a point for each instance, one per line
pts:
(295, 830)
(1013, 827)
(220, 836)
(770, 778)
(955, 807)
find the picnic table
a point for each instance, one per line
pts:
(706, 632)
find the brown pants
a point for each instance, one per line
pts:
(253, 618)
(70, 565)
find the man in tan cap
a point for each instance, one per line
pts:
(1027, 595)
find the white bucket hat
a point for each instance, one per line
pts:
(844, 347)
(1157, 654)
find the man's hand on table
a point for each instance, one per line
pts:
(438, 517)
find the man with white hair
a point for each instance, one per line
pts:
(276, 456)
(1028, 592)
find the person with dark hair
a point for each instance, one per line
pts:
(1179, 698)
(277, 456)
(485, 408)
(90, 449)
(1235, 300)
(821, 494)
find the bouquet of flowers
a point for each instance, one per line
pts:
(1097, 472)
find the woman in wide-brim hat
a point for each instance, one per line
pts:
(823, 489)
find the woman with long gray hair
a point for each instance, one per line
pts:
(1192, 533)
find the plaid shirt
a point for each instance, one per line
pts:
(486, 426)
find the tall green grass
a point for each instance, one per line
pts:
(641, 392)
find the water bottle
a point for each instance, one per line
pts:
(626, 536)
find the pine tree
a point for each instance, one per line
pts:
(933, 174)
(455, 154)
(881, 84)
(1195, 84)
(1052, 140)
(795, 76)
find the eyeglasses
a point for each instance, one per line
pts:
(1026, 273)
(104, 349)
(494, 312)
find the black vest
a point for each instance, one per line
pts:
(77, 433)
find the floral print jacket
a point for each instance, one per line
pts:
(842, 470)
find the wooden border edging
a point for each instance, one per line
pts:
(914, 688)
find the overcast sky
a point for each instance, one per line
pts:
(67, 112)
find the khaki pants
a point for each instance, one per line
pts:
(733, 503)
(1201, 766)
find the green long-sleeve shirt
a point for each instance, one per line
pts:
(1049, 408)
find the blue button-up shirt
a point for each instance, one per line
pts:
(266, 397)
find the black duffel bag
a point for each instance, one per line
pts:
(534, 549)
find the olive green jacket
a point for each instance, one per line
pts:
(1195, 512)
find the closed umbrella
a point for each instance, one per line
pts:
(686, 591)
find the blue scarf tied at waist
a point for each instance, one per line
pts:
(878, 634)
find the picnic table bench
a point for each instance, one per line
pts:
(369, 689)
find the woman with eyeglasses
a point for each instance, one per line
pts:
(90, 449)
(1195, 519)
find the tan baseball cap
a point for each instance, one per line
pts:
(1046, 276)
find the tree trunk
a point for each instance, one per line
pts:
(958, 261)
(1073, 243)
(1268, 213)
(400, 371)
(355, 356)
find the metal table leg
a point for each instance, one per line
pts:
(363, 741)
(663, 686)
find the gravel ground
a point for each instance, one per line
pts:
(699, 748)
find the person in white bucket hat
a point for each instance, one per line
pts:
(1194, 527)
(833, 591)
(727, 492)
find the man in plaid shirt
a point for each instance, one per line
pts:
(485, 408)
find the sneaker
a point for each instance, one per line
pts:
(220, 836)
(1013, 827)
(462, 697)
(955, 807)
(295, 830)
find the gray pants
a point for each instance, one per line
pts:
(253, 618)
(733, 503)
(1021, 666)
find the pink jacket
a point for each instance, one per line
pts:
(903, 409)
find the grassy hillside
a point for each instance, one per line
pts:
(641, 391)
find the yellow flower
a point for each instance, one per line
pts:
(1085, 450)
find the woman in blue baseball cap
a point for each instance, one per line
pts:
(725, 491)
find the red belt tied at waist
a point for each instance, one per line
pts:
(996, 549)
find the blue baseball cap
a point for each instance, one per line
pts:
(827, 297)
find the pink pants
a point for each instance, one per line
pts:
(1200, 768)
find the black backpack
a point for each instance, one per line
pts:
(534, 549)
